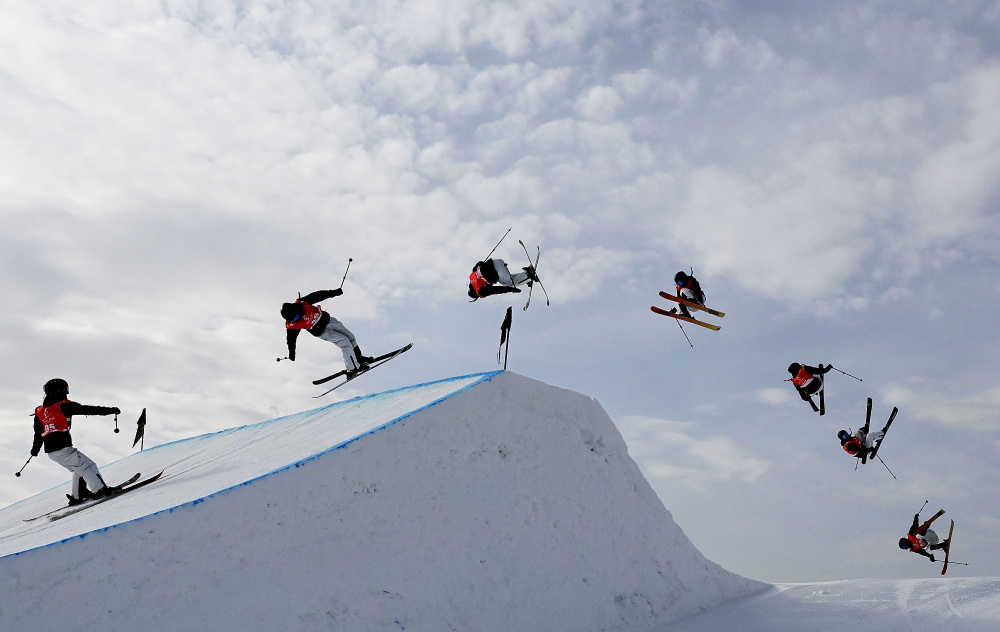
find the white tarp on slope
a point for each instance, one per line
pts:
(506, 505)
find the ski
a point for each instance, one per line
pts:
(530, 287)
(659, 310)
(866, 427)
(382, 359)
(947, 548)
(822, 402)
(684, 301)
(930, 520)
(885, 429)
(122, 489)
(134, 478)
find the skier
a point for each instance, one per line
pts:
(687, 288)
(808, 380)
(52, 422)
(860, 443)
(492, 277)
(305, 314)
(922, 538)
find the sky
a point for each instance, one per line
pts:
(173, 171)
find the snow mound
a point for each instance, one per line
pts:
(485, 502)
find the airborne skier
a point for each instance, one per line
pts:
(52, 423)
(861, 443)
(808, 381)
(687, 288)
(492, 277)
(922, 538)
(305, 314)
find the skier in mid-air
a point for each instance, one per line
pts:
(305, 314)
(52, 423)
(689, 289)
(861, 443)
(492, 277)
(922, 538)
(808, 381)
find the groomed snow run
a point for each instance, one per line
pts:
(484, 502)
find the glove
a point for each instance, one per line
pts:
(116, 410)
(932, 558)
(34, 453)
(338, 292)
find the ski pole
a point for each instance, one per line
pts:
(846, 373)
(950, 563)
(684, 332)
(280, 359)
(116, 423)
(18, 473)
(886, 466)
(921, 506)
(499, 242)
(349, 260)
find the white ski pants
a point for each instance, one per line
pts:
(82, 468)
(506, 278)
(341, 336)
(869, 440)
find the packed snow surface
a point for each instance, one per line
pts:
(485, 502)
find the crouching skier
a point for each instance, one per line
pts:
(305, 314)
(52, 423)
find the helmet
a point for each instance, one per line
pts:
(289, 311)
(56, 385)
(680, 277)
(794, 367)
(843, 435)
(904, 543)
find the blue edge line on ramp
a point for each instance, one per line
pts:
(483, 377)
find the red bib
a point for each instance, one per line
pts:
(310, 316)
(803, 378)
(477, 280)
(52, 418)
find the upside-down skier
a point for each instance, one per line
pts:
(305, 314)
(52, 423)
(861, 443)
(492, 277)
(921, 538)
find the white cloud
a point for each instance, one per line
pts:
(979, 409)
(774, 396)
(680, 452)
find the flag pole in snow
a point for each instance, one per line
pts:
(505, 336)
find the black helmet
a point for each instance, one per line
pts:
(56, 385)
(680, 277)
(843, 435)
(794, 367)
(289, 311)
(905, 544)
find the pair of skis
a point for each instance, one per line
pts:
(352, 375)
(947, 547)
(534, 267)
(689, 305)
(865, 454)
(116, 491)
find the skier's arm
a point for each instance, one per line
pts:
(321, 295)
(915, 525)
(36, 443)
(72, 408)
(805, 396)
(490, 290)
(290, 336)
(924, 553)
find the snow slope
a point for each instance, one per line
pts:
(967, 604)
(486, 502)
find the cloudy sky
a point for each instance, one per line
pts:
(171, 171)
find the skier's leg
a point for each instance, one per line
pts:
(81, 466)
(873, 438)
(503, 274)
(341, 336)
(932, 538)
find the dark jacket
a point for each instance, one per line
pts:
(813, 387)
(59, 440)
(291, 335)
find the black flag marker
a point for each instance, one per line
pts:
(505, 335)
(140, 431)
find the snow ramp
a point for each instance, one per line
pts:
(483, 502)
